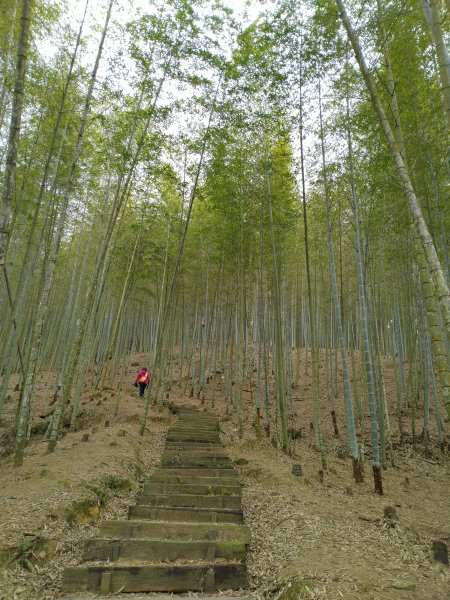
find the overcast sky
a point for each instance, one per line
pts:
(126, 10)
(246, 11)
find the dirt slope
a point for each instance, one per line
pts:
(329, 535)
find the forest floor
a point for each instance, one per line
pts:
(330, 535)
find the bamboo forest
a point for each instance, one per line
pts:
(224, 298)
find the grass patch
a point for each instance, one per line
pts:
(83, 512)
(88, 510)
(295, 590)
(116, 482)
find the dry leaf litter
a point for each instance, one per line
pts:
(329, 536)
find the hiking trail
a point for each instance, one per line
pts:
(186, 531)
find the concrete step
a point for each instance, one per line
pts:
(186, 479)
(185, 515)
(128, 578)
(189, 500)
(213, 489)
(181, 531)
(192, 472)
(106, 550)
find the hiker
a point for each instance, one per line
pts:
(142, 380)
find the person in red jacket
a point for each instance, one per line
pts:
(142, 380)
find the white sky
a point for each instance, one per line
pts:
(126, 10)
(246, 11)
(123, 11)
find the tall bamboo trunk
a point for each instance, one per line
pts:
(311, 319)
(27, 390)
(279, 344)
(6, 61)
(14, 128)
(120, 195)
(113, 337)
(441, 350)
(350, 419)
(440, 285)
(368, 363)
(431, 10)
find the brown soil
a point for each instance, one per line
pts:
(331, 535)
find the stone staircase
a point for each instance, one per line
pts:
(184, 534)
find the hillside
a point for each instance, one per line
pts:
(251, 200)
(331, 535)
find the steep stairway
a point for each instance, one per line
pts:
(186, 531)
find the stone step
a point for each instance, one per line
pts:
(192, 472)
(180, 531)
(213, 489)
(186, 479)
(128, 578)
(185, 515)
(189, 501)
(105, 550)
